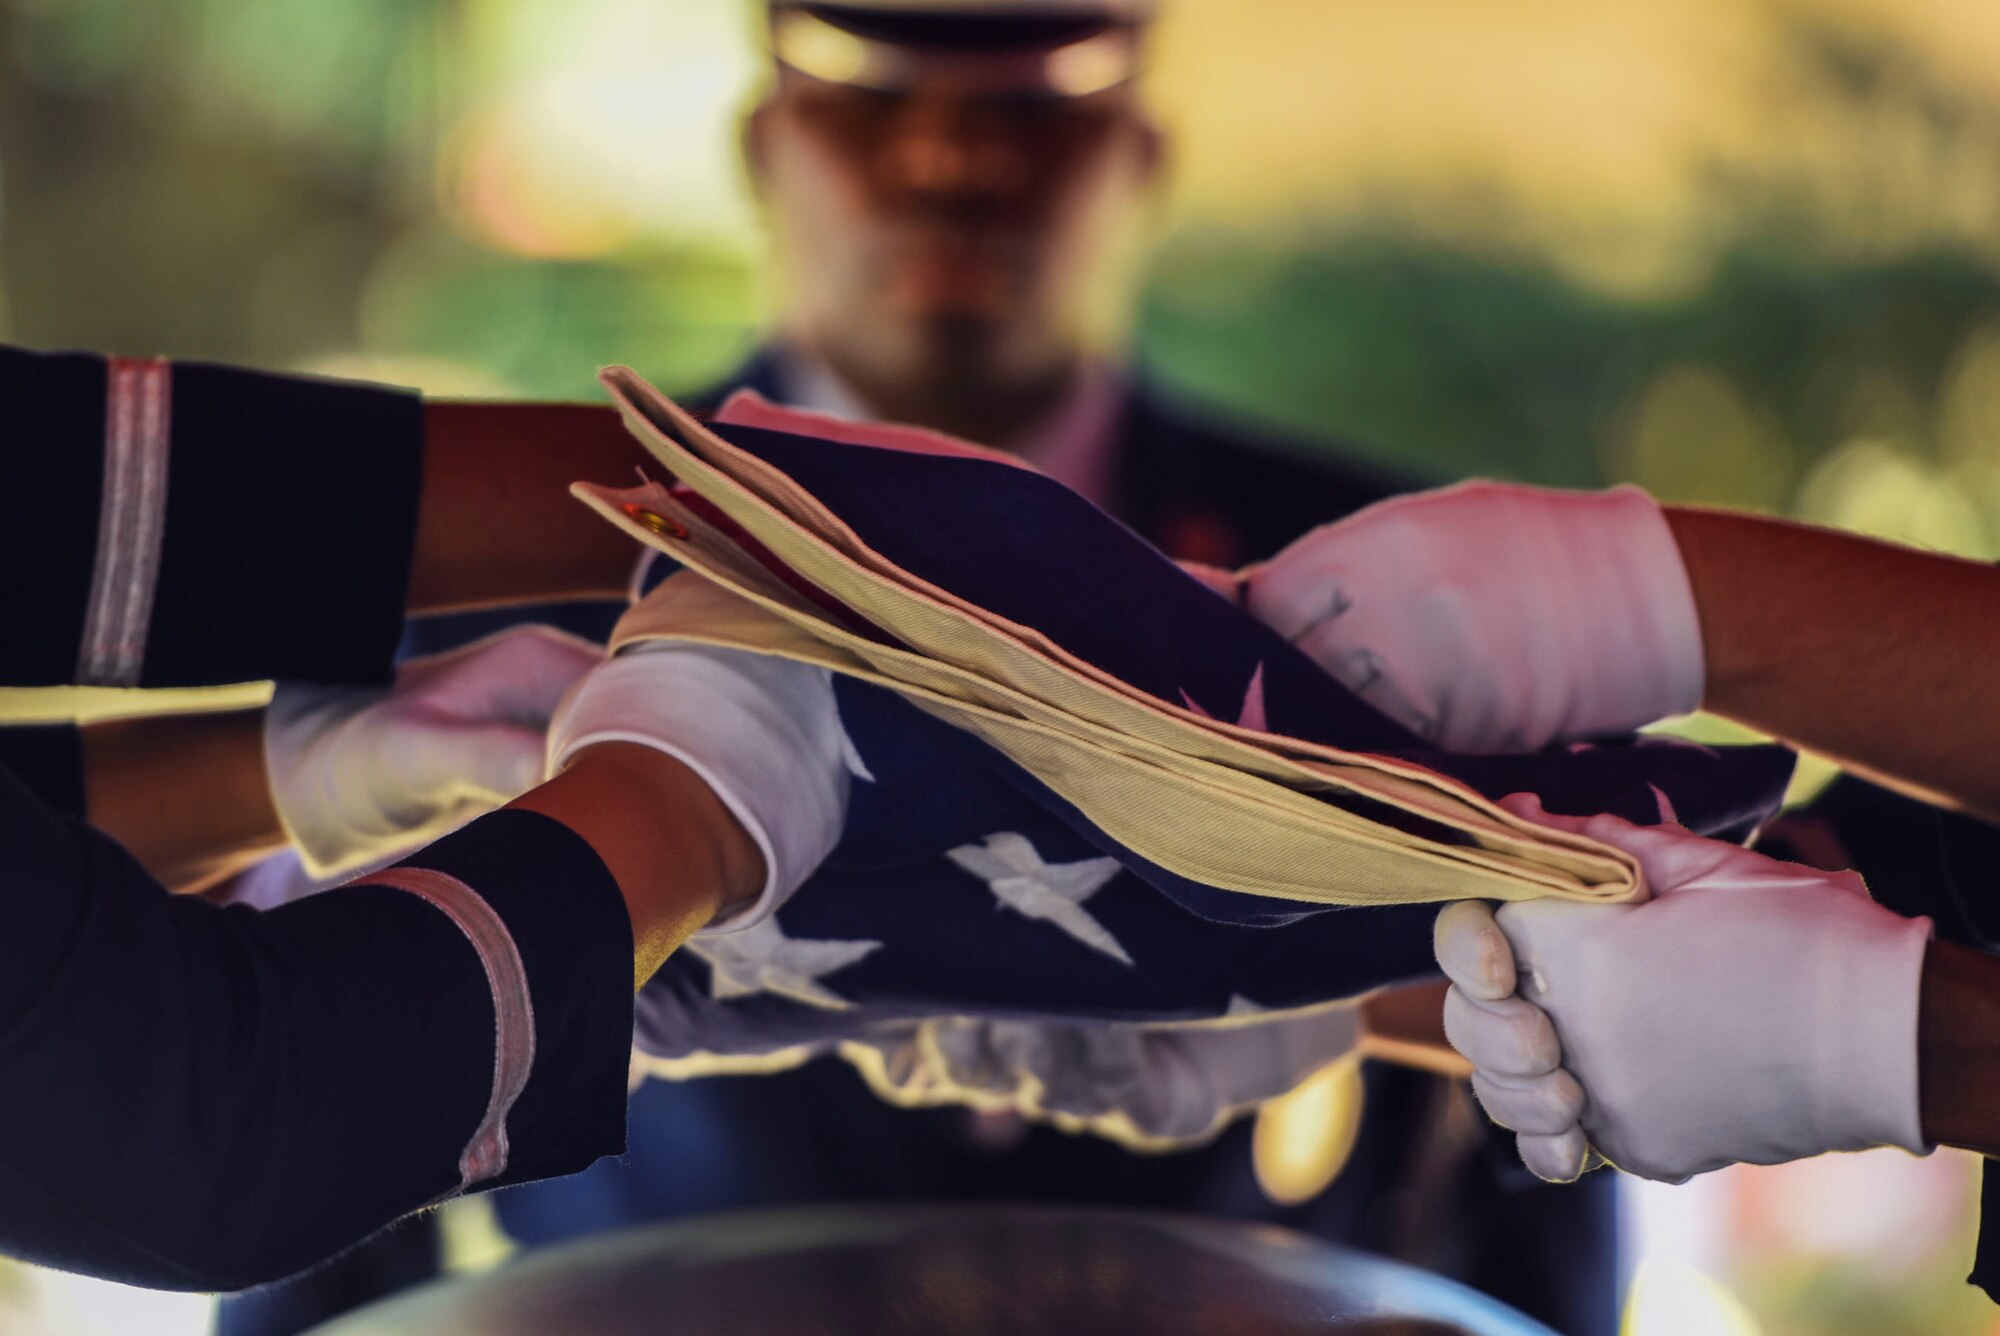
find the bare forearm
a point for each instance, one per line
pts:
(1958, 1049)
(677, 854)
(496, 522)
(1880, 657)
(186, 794)
(1406, 1026)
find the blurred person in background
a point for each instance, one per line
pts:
(958, 190)
(959, 194)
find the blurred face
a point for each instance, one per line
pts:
(939, 239)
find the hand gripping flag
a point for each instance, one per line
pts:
(1087, 786)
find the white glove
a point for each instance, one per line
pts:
(763, 733)
(1490, 617)
(1141, 1085)
(359, 777)
(1752, 1012)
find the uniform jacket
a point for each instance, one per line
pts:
(205, 1098)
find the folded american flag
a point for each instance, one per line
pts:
(1087, 787)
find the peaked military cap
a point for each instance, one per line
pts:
(1063, 48)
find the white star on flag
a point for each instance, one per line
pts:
(1251, 715)
(851, 755)
(763, 960)
(1054, 892)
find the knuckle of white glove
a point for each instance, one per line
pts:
(1656, 1163)
(1561, 949)
(1296, 589)
(518, 674)
(1340, 656)
(1472, 950)
(1413, 705)
(1540, 1106)
(1510, 1037)
(1351, 654)
(1344, 595)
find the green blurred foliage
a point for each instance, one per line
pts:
(543, 327)
(1458, 363)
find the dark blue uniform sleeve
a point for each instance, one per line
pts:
(183, 525)
(206, 1098)
(48, 758)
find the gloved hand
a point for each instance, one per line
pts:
(1751, 1011)
(763, 733)
(1490, 617)
(361, 776)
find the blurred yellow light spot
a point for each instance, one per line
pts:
(1877, 488)
(592, 126)
(517, 191)
(1303, 1138)
(1969, 407)
(471, 1236)
(436, 377)
(1672, 1300)
(1693, 439)
(1811, 775)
